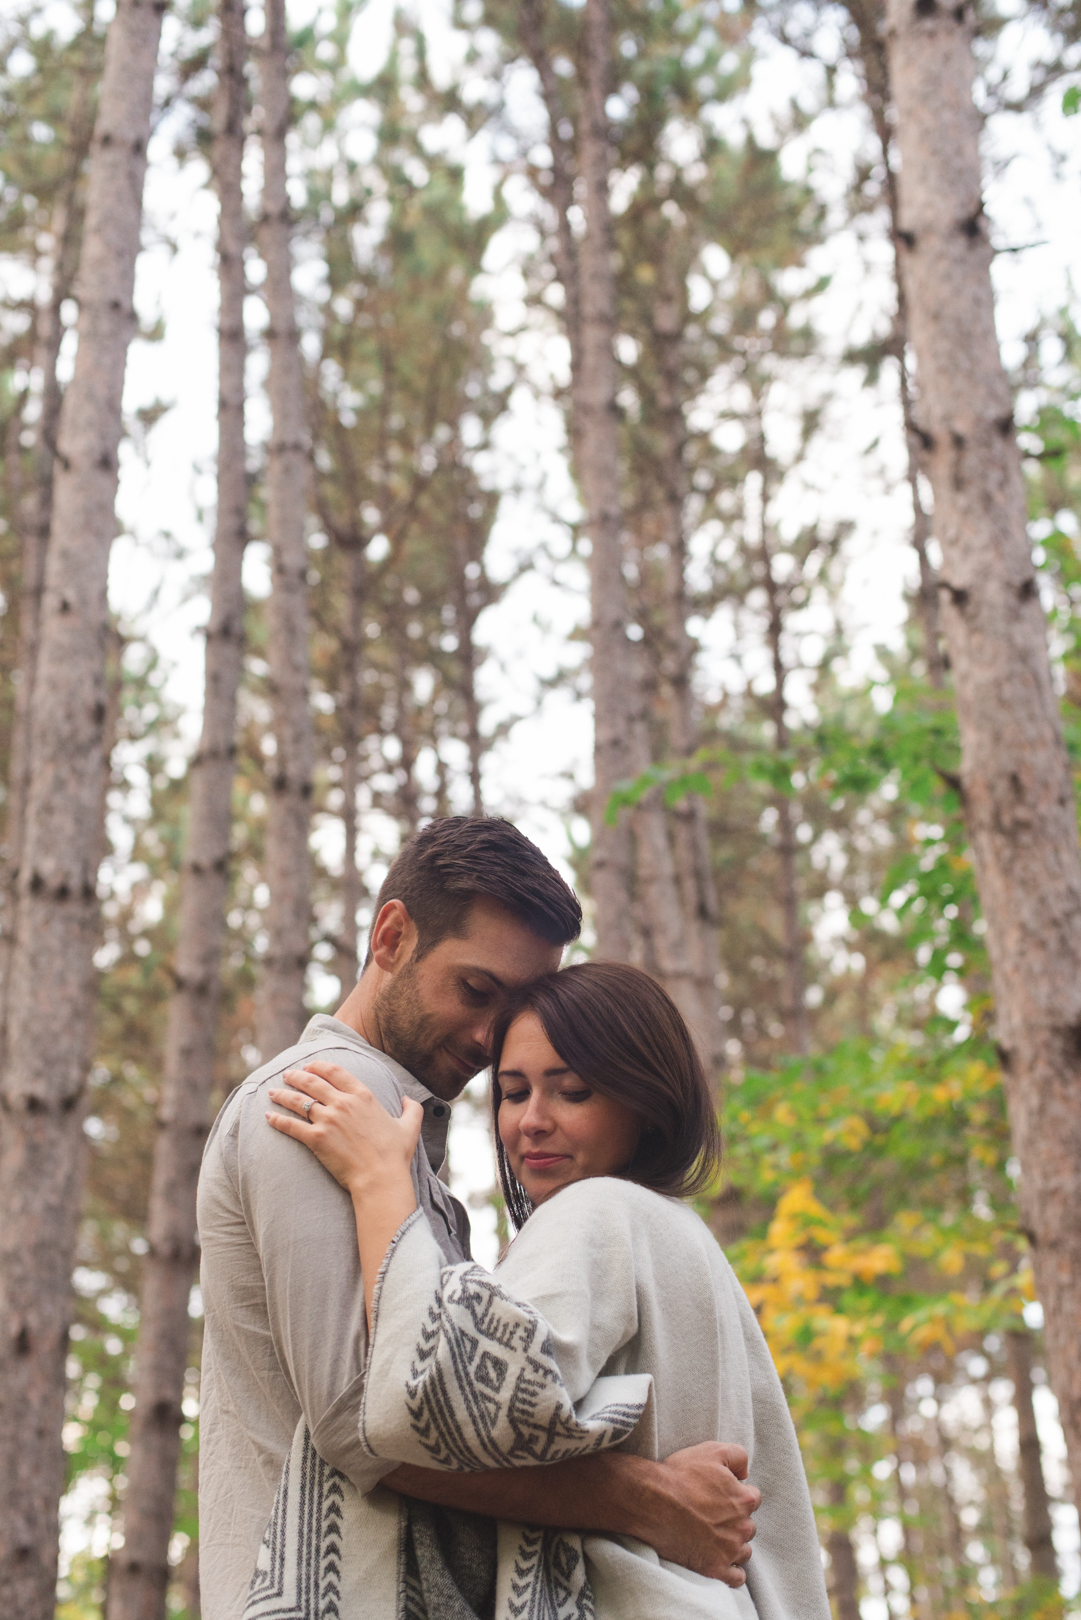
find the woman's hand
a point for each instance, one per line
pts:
(368, 1152)
(350, 1133)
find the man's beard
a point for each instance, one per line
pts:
(411, 1036)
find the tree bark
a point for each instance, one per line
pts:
(638, 845)
(1016, 779)
(466, 614)
(52, 975)
(280, 1006)
(844, 1581)
(869, 17)
(996, 1487)
(791, 929)
(1037, 1508)
(596, 434)
(139, 1570)
(347, 945)
(36, 509)
(690, 835)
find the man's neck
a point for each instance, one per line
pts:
(358, 1008)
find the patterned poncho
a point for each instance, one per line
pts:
(614, 1321)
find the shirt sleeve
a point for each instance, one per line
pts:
(303, 1229)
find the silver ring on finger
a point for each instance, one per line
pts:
(306, 1106)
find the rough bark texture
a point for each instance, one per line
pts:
(139, 1570)
(596, 433)
(52, 978)
(632, 861)
(1016, 779)
(690, 840)
(1037, 1508)
(280, 1011)
(37, 507)
(868, 17)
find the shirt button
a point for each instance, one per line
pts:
(438, 1111)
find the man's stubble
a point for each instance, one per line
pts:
(413, 1037)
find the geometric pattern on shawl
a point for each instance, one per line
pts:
(461, 1376)
(298, 1571)
(484, 1389)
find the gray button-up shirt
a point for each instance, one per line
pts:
(286, 1333)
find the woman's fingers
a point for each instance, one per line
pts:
(293, 1100)
(334, 1075)
(288, 1126)
(312, 1085)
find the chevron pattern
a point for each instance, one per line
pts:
(299, 1571)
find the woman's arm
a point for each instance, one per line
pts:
(367, 1151)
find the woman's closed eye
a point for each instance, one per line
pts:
(579, 1094)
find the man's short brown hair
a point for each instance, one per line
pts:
(450, 863)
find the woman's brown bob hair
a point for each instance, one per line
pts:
(624, 1036)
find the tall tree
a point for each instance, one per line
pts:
(52, 978)
(140, 1569)
(1037, 1510)
(35, 516)
(1015, 776)
(632, 868)
(280, 1014)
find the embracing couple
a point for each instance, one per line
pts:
(390, 1432)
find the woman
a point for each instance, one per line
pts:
(613, 1320)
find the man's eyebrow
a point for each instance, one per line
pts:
(469, 967)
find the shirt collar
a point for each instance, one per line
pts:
(433, 1133)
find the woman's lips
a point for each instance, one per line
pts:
(542, 1161)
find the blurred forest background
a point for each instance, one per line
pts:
(793, 759)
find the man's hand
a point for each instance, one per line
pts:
(703, 1520)
(694, 1509)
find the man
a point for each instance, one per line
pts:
(470, 909)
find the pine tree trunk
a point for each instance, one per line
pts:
(997, 1492)
(869, 17)
(792, 932)
(347, 944)
(465, 615)
(690, 834)
(1016, 779)
(596, 434)
(37, 507)
(844, 1574)
(139, 1570)
(280, 1007)
(51, 1002)
(1037, 1508)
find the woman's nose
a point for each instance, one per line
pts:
(535, 1121)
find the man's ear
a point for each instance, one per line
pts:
(393, 938)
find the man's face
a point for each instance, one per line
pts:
(435, 1016)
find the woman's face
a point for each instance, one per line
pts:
(554, 1128)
